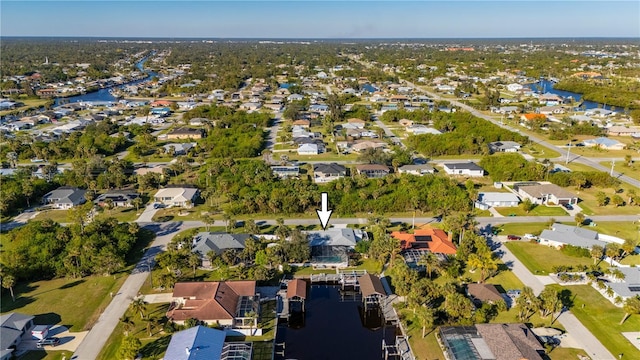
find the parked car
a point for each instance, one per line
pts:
(513, 237)
(567, 206)
(530, 237)
(513, 293)
(53, 341)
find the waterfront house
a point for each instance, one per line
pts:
(426, 238)
(331, 247)
(490, 341)
(225, 303)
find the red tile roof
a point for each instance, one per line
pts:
(297, 287)
(435, 240)
(209, 301)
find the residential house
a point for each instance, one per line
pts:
(514, 87)
(331, 247)
(491, 341)
(419, 129)
(419, 170)
(274, 107)
(201, 342)
(161, 111)
(550, 99)
(483, 293)
(295, 97)
(373, 170)
(362, 145)
(225, 303)
(250, 106)
(12, 327)
(506, 110)
(465, 169)
(185, 133)
(544, 194)
(283, 171)
(551, 110)
(157, 169)
(64, 197)
(504, 146)
(604, 143)
(426, 238)
(357, 123)
(305, 124)
(122, 198)
(323, 173)
(525, 118)
(308, 149)
(177, 196)
(622, 131)
(599, 112)
(178, 148)
(405, 122)
(204, 242)
(629, 286)
(496, 199)
(319, 108)
(561, 235)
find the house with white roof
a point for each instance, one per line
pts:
(629, 286)
(497, 199)
(465, 169)
(177, 196)
(561, 235)
(604, 143)
(504, 146)
(331, 247)
(201, 342)
(419, 169)
(308, 149)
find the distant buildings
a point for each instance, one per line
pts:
(185, 133)
(504, 146)
(604, 143)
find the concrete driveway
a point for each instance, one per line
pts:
(69, 341)
(147, 215)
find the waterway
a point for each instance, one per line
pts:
(334, 327)
(104, 95)
(546, 86)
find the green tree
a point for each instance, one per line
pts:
(426, 318)
(550, 302)
(194, 261)
(129, 348)
(527, 205)
(430, 262)
(139, 306)
(601, 198)
(631, 307)
(579, 218)
(596, 253)
(617, 200)
(8, 282)
(458, 307)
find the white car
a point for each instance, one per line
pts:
(530, 237)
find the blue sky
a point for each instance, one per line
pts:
(321, 19)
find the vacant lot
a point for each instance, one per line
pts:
(76, 303)
(541, 259)
(537, 211)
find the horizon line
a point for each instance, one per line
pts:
(314, 38)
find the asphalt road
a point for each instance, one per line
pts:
(96, 338)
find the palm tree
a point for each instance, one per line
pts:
(426, 318)
(8, 282)
(138, 305)
(127, 324)
(194, 261)
(430, 261)
(631, 307)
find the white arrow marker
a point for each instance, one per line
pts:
(325, 214)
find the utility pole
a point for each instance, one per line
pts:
(568, 151)
(613, 163)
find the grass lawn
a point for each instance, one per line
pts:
(574, 166)
(541, 259)
(59, 216)
(49, 300)
(523, 228)
(121, 213)
(539, 151)
(153, 347)
(620, 166)
(588, 197)
(28, 104)
(602, 318)
(561, 353)
(539, 210)
(423, 348)
(511, 316)
(631, 260)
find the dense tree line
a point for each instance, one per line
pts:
(45, 249)
(584, 179)
(463, 133)
(251, 187)
(21, 190)
(513, 167)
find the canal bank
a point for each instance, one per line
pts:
(546, 86)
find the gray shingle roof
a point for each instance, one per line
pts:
(332, 237)
(572, 235)
(11, 325)
(66, 195)
(206, 241)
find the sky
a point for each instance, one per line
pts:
(321, 19)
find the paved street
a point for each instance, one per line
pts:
(272, 137)
(580, 334)
(102, 329)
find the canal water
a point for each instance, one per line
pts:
(104, 95)
(546, 86)
(334, 327)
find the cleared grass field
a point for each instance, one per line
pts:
(541, 259)
(537, 211)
